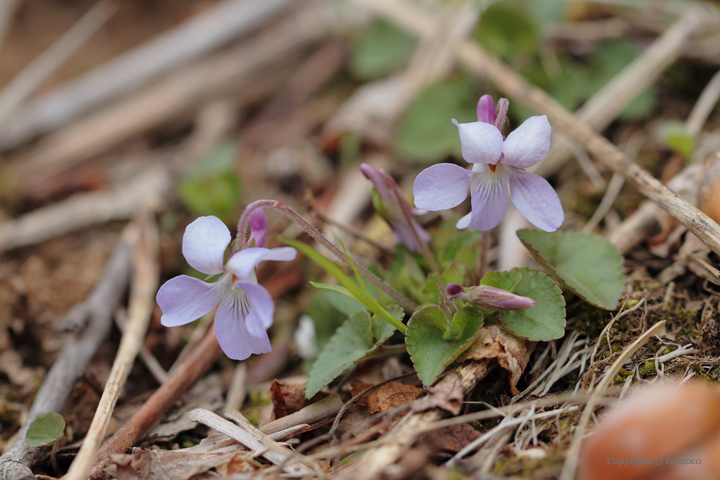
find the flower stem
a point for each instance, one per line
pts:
(484, 247)
(424, 250)
(311, 230)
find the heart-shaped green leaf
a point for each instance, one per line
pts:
(434, 341)
(46, 429)
(358, 336)
(505, 280)
(586, 264)
(546, 320)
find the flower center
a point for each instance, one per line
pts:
(492, 167)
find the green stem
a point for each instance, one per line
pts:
(311, 230)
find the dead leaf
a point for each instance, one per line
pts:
(384, 398)
(286, 398)
(144, 464)
(452, 439)
(447, 395)
(511, 352)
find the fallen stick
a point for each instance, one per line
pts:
(507, 81)
(191, 40)
(196, 364)
(276, 454)
(171, 98)
(73, 359)
(193, 367)
(120, 203)
(53, 58)
(145, 280)
(405, 433)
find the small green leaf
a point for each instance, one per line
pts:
(434, 342)
(676, 136)
(588, 265)
(46, 429)
(212, 187)
(357, 337)
(426, 134)
(380, 50)
(505, 280)
(546, 320)
(507, 29)
(360, 294)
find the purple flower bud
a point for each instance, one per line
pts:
(489, 298)
(394, 209)
(258, 228)
(486, 109)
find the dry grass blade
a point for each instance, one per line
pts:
(142, 301)
(568, 472)
(507, 81)
(42, 67)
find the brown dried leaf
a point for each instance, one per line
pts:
(511, 352)
(384, 398)
(286, 398)
(446, 395)
(453, 438)
(175, 464)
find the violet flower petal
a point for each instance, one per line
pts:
(262, 308)
(441, 187)
(486, 109)
(184, 299)
(244, 262)
(527, 144)
(536, 200)
(258, 228)
(230, 329)
(480, 142)
(489, 192)
(464, 222)
(204, 244)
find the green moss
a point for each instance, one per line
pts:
(623, 375)
(648, 368)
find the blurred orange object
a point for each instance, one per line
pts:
(709, 188)
(663, 432)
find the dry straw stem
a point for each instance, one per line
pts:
(146, 273)
(53, 58)
(568, 471)
(266, 447)
(121, 202)
(404, 434)
(195, 365)
(73, 359)
(171, 98)
(192, 39)
(507, 81)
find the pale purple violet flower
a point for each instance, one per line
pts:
(246, 308)
(394, 209)
(489, 298)
(445, 185)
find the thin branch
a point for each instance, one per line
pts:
(142, 301)
(510, 83)
(74, 357)
(53, 58)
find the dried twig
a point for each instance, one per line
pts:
(237, 390)
(181, 378)
(506, 80)
(314, 413)
(192, 39)
(406, 432)
(173, 97)
(142, 301)
(160, 402)
(53, 58)
(568, 471)
(276, 454)
(74, 357)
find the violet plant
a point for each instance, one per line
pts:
(438, 281)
